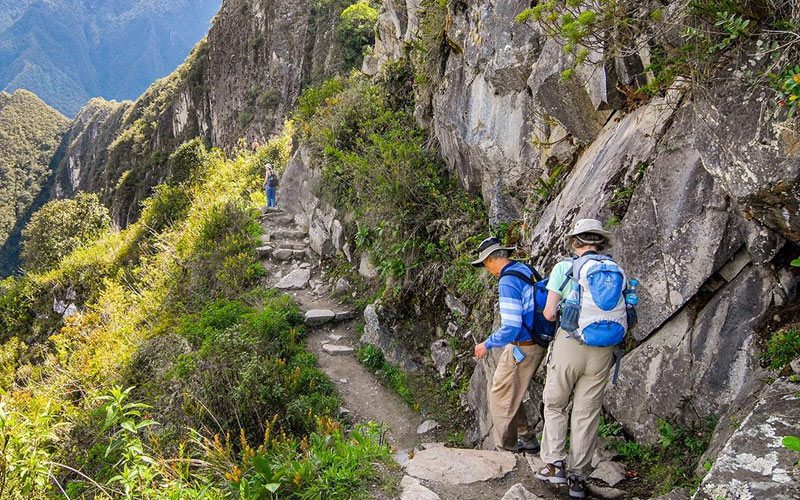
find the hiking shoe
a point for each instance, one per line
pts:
(553, 473)
(527, 445)
(577, 487)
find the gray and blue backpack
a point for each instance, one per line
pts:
(594, 309)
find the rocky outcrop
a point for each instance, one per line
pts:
(482, 113)
(701, 187)
(755, 463)
(398, 24)
(754, 156)
(698, 362)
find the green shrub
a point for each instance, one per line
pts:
(251, 366)
(671, 463)
(782, 347)
(375, 165)
(787, 84)
(60, 227)
(356, 31)
(187, 162)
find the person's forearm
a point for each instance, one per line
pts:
(551, 307)
(502, 337)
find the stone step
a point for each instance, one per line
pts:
(459, 466)
(264, 251)
(287, 234)
(337, 350)
(286, 254)
(319, 317)
(295, 280)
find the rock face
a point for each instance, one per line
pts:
(754, 463)
(700, 359)
(755, 158)
(481, 115)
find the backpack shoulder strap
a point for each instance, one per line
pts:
(577, 264)
(517, 274)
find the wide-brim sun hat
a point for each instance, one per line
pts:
(590, 226)
(487, 247)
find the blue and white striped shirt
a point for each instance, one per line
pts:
(516, 307)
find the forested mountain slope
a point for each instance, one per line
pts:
(68, 51)
(30, 133)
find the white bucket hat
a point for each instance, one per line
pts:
(593, 226)
(487, 247)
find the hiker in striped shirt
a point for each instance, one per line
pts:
(521, 356)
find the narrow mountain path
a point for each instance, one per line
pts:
(334, 342)
(430, 470)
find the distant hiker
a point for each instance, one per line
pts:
(590, 290)
(521, 355)
(271, 184)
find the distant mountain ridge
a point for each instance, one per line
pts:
(68, 51)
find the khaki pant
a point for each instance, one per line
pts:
(582, 372)
(509, 384)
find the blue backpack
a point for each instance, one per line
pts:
(544, 331)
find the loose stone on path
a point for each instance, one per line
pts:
(611, 473)
(427, 426)
(413, 490)
(459, 466)
(518, 492)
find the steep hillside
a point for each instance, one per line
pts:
(235, 88)
(72, 50)
(30, 132)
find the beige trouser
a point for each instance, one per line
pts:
(581, 371)
(509, 384)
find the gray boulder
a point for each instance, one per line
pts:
(456, 306)
(297, 191)
(319, 317)
(378, 334)
(342, 287)
(366, 268)
(441, 354)
(583, 114)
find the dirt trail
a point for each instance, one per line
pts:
(361, 392)
(289, 262)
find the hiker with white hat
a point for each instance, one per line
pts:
(521, 355)
(588, 291)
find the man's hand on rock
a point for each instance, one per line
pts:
(481, 351)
